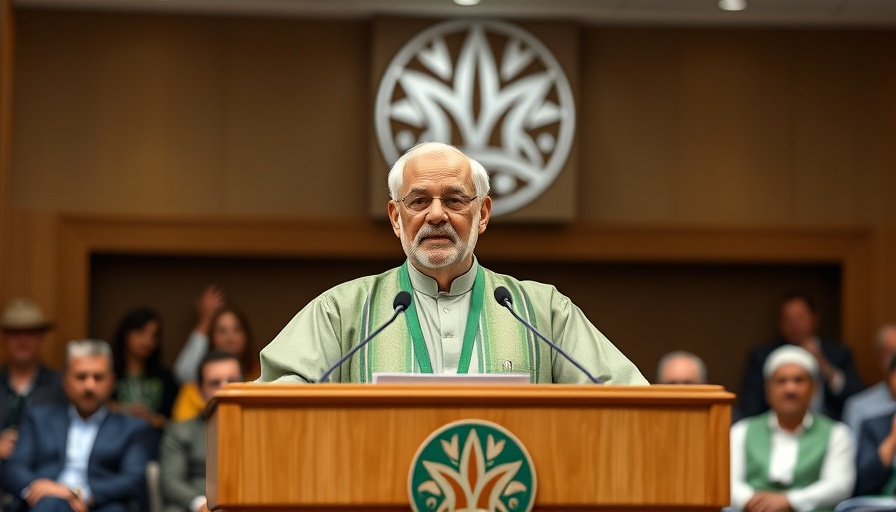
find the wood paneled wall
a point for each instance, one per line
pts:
(763, 145)
(7, 39)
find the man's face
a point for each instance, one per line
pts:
(680, 370)
(438, 237)
(22, 346)
(789, 390)
(218, 373)
(797, 322)
(88, 382)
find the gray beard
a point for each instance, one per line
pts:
(417, 254)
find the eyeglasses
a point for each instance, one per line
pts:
(419, 202)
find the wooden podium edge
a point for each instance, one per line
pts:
(533, 394)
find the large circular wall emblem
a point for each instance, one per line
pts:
(491, 89)
(472, 465)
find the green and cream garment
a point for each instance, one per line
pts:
(461, 331)
(813, 465)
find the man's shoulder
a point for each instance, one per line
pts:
(126, 424)
(50, 410)
(871, 396)
(186, 431)
(879, 425)
(834, 349)
(358, 286)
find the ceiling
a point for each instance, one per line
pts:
(832, 13)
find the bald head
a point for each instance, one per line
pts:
(681, 367)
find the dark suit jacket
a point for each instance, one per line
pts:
(871, 474)
(752, 391)
(116, 470)
(47, 390)
(182, 462)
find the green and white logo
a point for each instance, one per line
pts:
(472, 466)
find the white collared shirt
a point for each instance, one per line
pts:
(78, 447)
(443, 317)
(838, 472)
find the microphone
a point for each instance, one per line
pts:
(502, 295)
(401, 303)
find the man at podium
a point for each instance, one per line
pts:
(454, 324)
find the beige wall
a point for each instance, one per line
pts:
(129, 114)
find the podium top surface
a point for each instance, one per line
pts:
(411, 394)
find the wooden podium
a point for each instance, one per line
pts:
(343, 446)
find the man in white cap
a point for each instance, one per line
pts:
(24, 381)
(788, 458)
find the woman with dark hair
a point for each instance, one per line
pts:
(229, 332)
(144, 387)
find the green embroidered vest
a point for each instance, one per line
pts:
(813, 445)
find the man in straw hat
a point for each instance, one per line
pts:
(24, 381)
(788, 458)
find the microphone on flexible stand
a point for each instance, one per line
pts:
(502, 295)
(400, 304)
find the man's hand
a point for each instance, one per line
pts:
(77, 504)
(768, 502)
(887, 448)
(8, 440)
(204, 508)
(43, 488)
(828, 371)
(210, 301)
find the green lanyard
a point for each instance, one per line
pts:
(466, 352)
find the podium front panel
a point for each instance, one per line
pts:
(342, 446)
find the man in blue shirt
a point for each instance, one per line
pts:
(80, 456)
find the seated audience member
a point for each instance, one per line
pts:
(80, 456)
(182, 453)
(145, 389)
(789, 458)
(681, 367)
(797, 323)
(24, 381)
(878, 399)
(229, 332)
(877, 446)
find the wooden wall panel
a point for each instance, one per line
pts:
(846, 125)
(624, 105)
(118, 113)
(7, 44)
(174, 114)
(297, 118)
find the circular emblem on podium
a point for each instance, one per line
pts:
(490, 88)
(472, 465)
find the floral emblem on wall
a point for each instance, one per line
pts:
(491, 89)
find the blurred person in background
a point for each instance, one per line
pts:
(145, 389)
(80, 455)
(681, 367)
(24, 380)
(798, 325)
(229, 332)
(182, 452)
(789, 458)
(879, 398)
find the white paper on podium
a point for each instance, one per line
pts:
(505, 379)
